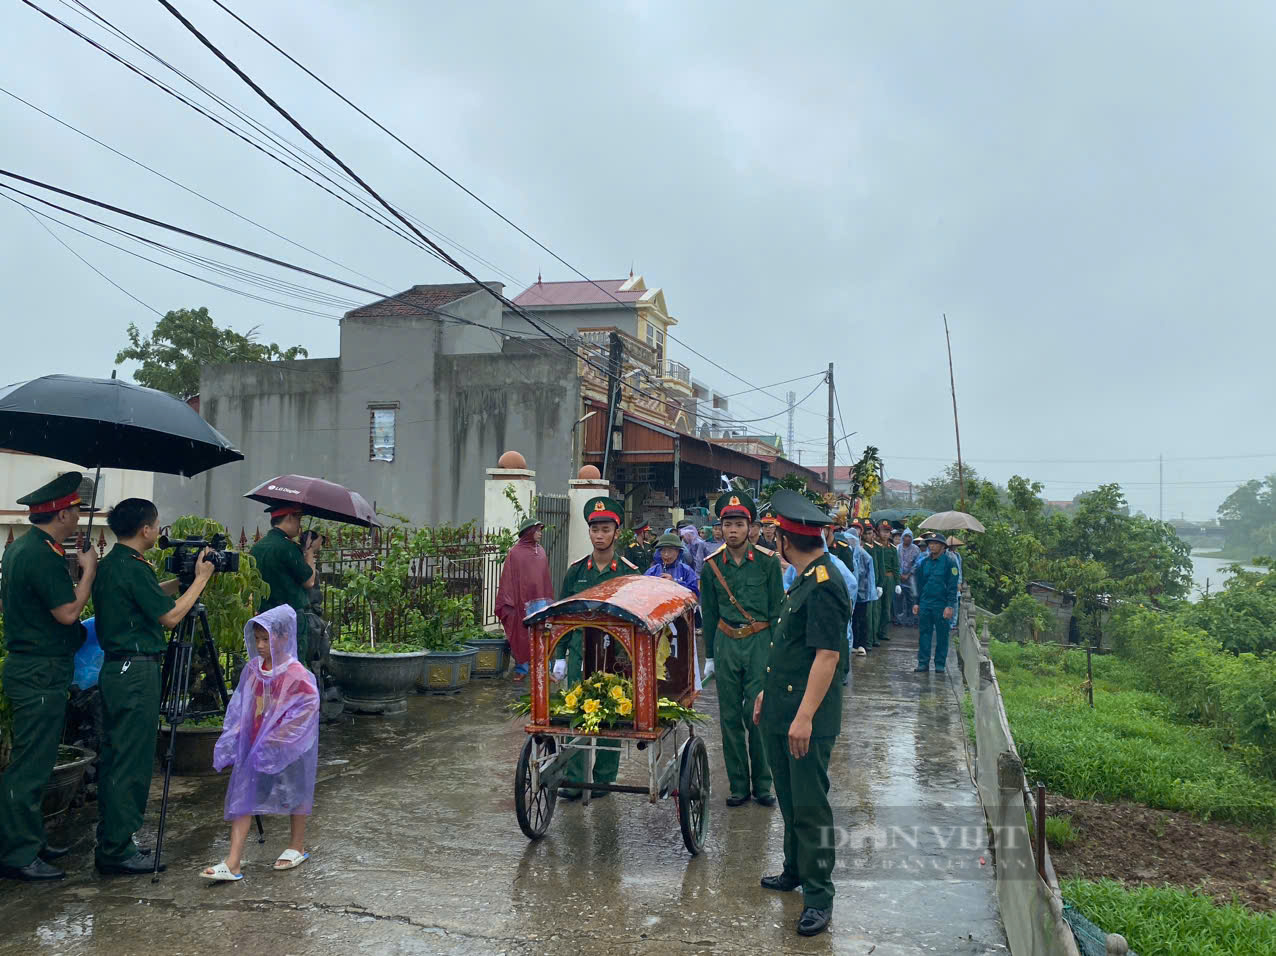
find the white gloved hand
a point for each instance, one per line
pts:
(559, 670)
(898, 589)
(708, 668)
(879, 592)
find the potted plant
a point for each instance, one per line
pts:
(193, 749)
(493, 656)
(64, 783)
(377, 658)
(447, 637)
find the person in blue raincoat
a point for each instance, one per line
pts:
(865, 577)
(671, 561)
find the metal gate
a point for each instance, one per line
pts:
(555, 511)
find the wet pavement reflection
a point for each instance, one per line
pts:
(416, 850)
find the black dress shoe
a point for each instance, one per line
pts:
(813, 922)
(568, 794)
(767, 799)
(51, 853)
(737, 801)
(133, 866)
(33, 872)
(781, 883)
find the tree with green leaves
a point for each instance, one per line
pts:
(943, 492)
(183, 341)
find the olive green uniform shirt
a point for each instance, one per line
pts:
(756, 582)
(813, 618)
(35, 580)
(128, 603)
(284, 568)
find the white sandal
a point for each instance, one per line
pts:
(290, 859)
(220, 873)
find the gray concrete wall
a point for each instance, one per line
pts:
(277, 414)
(461, 403)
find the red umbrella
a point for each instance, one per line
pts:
(319, 498)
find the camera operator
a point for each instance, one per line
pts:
(42, 629)
(133, 615)
(288, 570)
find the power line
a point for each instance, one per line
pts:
(469, 192)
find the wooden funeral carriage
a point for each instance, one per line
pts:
(647, 617)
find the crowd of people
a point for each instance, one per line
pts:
(270, 733)
(786, 600)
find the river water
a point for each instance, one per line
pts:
(1206, 570)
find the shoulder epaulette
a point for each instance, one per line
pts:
(628, 562)
(767, 551)
(582, 559)
(714, 554)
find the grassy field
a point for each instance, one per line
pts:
(1168, 922)
(1127, 748)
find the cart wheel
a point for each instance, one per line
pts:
(693, 794)
(535, 808)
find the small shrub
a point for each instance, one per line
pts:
(1059, 832)
(1161, 921)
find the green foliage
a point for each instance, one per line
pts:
(1233, 693)
(1160, 921)
(232, 599)
(185, 339)
(1025, 618)
(1248, 518)
(1059, 832)
(1128, 747)
(943, 492)
(392, 605)
(791, 481)
(1242, 616)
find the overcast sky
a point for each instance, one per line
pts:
(1085, 189)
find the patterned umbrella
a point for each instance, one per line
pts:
(952, 521)
(318, 498)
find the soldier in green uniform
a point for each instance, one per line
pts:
(42, 631)
(132, 616)
(875, 605)
(888, 580)
(603, 516)
(740, 595)
(800, 708)
(641, 553)
(287, 569)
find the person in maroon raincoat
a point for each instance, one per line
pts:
(524, 580)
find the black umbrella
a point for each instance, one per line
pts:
(106, 423)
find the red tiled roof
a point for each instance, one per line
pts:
(897, 484)
(598, 292)
(417, 298)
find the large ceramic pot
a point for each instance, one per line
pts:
(192, 751)
(446, 672)
(375, 683)
(65, 780)
(493, 656)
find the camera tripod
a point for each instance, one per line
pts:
(192, 634)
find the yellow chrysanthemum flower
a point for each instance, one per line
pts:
(626, 706)
(570, 701)
(591, 705)
(618, 693)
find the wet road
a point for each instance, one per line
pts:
(416, 850)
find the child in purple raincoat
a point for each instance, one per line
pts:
(271, 736)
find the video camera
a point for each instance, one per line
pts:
(186, 554)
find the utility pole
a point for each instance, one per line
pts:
(792, 397)
(1160, 481)
(952, 382)
(830, 474)
(615, 361)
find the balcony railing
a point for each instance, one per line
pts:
(679, 372)
(598, 345)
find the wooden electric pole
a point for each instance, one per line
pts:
(952, 382)
(831, 455)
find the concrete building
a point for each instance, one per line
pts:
(21, 473)
(421, 399)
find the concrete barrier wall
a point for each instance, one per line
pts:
(1031, 908)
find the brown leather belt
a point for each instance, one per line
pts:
(742, 632)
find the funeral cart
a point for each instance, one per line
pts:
(637, 629)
